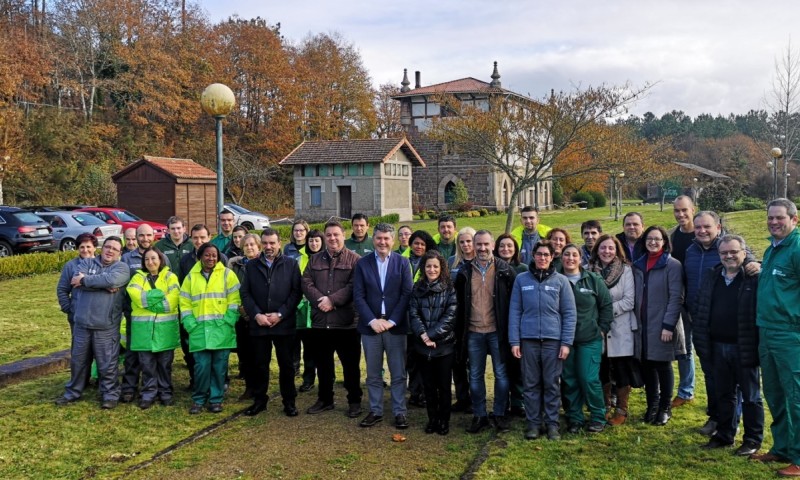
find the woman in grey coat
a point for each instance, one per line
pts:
(608, 259)
(659, 296)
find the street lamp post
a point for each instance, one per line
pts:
(612, 192)
(218, 101)
(777, 154)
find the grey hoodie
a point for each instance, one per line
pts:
(96, 307)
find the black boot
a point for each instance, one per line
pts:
(652, 412)
(432, 426)
(663, 416)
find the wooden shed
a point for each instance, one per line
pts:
(155, 188)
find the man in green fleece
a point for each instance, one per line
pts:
(778, 320)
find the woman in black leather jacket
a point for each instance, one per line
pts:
(432, 312)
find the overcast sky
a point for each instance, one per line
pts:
(706, 56)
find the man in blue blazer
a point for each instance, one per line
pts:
(381, 290)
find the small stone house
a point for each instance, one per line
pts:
(338, 178)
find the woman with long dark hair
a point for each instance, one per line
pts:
(506, 247)
(432, 313)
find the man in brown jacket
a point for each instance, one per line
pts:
(328, 286)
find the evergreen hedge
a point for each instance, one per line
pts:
(28, 264)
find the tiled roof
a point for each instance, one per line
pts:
(350, 151)
(176, 167)
(463, 85)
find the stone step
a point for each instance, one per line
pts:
(29, 368)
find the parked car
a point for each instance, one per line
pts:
(68, 225)
(124, 218)
(247, 218)
(22, 231)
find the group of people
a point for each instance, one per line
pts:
(567, 326)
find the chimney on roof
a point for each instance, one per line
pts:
(495, 77)
(405, 83)
(418, 79)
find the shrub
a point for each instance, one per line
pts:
(585, 199)
(460, 197)
(749, 203)
(720, 197)
(34, 264)
(484, 212)
(599, 198)
(558, 193)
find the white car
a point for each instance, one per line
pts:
(246, 218)
(67, 225)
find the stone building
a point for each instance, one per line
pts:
(487, 187)
(338, 178)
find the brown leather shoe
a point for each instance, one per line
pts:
(768, 458)
(680, 401)
(792, 470)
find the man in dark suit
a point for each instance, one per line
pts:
(270, 295)
(381, 290)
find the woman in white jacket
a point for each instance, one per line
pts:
(608, 259)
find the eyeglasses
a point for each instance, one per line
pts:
(729, 253)
(542, 254)
(654, 240)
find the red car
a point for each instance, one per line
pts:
(120, 216)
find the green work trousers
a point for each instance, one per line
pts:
(779, 352)
(581, 380)
(210, 367)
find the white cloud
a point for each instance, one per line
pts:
(708, 56)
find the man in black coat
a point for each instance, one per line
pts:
(483, 289)
(725, 331)
(270, 294)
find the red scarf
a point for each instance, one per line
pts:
(652, 258)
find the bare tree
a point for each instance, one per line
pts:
(523, 138)
(783, 103)
(244, 174)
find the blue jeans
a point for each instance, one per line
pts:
(686, 362)
(479, 345)
(728, 374)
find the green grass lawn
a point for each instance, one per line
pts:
(31, 324)
(40, 440)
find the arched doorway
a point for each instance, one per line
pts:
(449, 194)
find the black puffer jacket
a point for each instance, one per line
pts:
(746, 318)
(432, 310)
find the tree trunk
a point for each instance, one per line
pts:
(512, 204)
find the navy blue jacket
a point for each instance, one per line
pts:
(368, 295)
